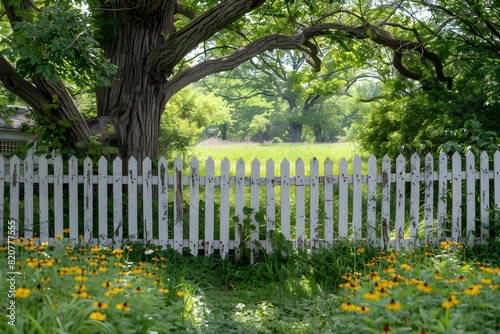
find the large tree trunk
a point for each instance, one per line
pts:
(317, 133)
(136, 99)
(295, 132)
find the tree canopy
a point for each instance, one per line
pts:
(134, 56)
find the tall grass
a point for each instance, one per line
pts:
(277, 152)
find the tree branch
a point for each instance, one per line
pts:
(175, 48)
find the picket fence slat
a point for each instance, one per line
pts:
(270, 204)
(224, 208)
(117, 203)
(44, 199)
(343, 199)
(357, 200)
(371, 204)
(102, 199)
(300, 200)
(400, 201)
(328, 191)
(415, 200)
(285, 199)
(484, 194)
(452, 201)
(314, 200)
(73, 198)
(470, 174)
(209, 206)
(238, 207)
(28, 205)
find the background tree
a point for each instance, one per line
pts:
(138, 54)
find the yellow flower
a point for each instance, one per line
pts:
(386, 329)
(393, 305)
(485, 281)
(450, 302)
(473, 290)
(425, 287)
(158, 282)
(59, 237)
(107, 284)
(361, 250)
(123, 307)
(371, 295)
(388, 270)
(406, 266)
(97, 316)
(66, 230)
(181, 293)
(138, 290)
(100, 305)
(80, 287)
(80, 278)
(362, 309)
(22, 292)
(80, 237)
(79, 294)
(374, 276)
(164, 290)
(46, 279)
(348, 307)
(103, 269)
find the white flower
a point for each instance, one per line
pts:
(149, 251)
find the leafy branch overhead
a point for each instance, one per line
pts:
(135, 55)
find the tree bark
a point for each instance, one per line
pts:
(296, 132)
(135, 101)
(317, 133)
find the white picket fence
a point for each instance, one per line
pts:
(354, 205)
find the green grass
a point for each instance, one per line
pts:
(349, 288)
(277, 152)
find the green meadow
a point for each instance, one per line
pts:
(219, 150)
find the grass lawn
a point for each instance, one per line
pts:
(218, 150)
(349, 288)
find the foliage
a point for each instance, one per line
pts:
(187, 114)
(38, 46)
(347, 288)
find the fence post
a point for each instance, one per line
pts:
(285, 198)
(357, 198)
(87, 199)
(314, 202)
(456, 206)
(254, 204)
(238, 208)
(414, 200)
(117, 202)
(386, 202)
(371, 205)
(147, 200)
(43, 188)
(328, 170)
(299, 204)
(102, 201)
(224, 208)
(429, 199)
(399, 221)
(343, 199)
(209, 206)
(484, 195)
(28, 193)
(194, 206)
(178, 206)
(162, 202)
(73, 199)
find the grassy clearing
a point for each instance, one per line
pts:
(348, 289)
(277, 152)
